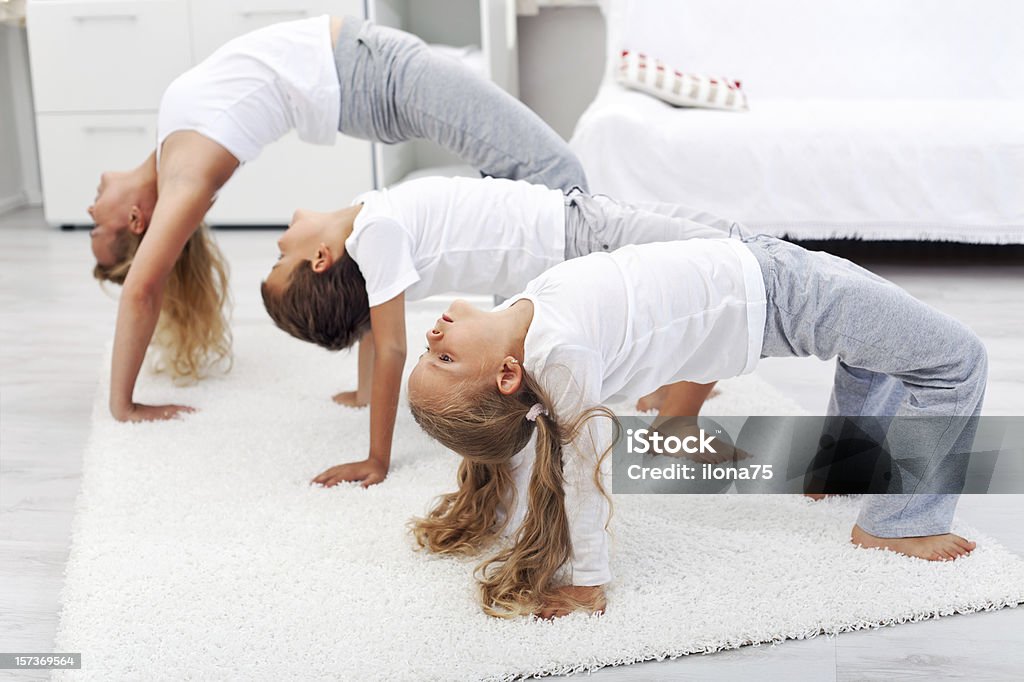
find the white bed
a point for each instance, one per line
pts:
(939, 158)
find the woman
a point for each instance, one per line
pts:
(319, 76)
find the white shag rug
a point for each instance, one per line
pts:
(200, 551)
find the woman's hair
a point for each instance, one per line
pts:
(487, 429)
(192, 333)
(329, 308)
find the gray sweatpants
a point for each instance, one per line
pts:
(895, 356)
(395, 88)
(595, 223)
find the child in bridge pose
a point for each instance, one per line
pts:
(614, 325)
(345, 276)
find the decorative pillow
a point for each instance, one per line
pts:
(640, 72)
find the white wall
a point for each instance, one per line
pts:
(19, 164)
(561, 62)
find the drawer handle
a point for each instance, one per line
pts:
(94, 130)
(83, 18)
(274, 13)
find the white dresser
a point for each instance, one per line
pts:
(99, 68)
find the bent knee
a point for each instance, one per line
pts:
(972, 365)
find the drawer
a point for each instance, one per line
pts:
(215, 23)
(111, 55)
(75, 149)
(292, 174)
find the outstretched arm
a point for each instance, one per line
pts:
(585, 462)
(388, 324)
(177, 214)
(387, 321)
(586, 469)
(193, 168)
(361, 396)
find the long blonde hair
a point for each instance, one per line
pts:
(488, 429)
(192, 334)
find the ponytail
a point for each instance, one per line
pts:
(488, 430)
(464, 522)
(518, 579)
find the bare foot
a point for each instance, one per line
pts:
(817, 496)
(349, 399)
(945, 547)
(693, 394)
(652, 401)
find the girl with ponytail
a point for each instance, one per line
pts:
(557, 562)
(490, 430)
(611, 326)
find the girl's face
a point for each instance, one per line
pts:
(461, 349)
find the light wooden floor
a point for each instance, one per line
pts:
(55, 321)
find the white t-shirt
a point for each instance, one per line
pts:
(475, 235)
(614, 326)
(257, 87)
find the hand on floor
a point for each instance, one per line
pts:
(369, 471)
(350, 399)
(571, 597)
(152, 413)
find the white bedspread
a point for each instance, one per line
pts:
(873, 169)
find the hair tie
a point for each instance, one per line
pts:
(535, 412)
